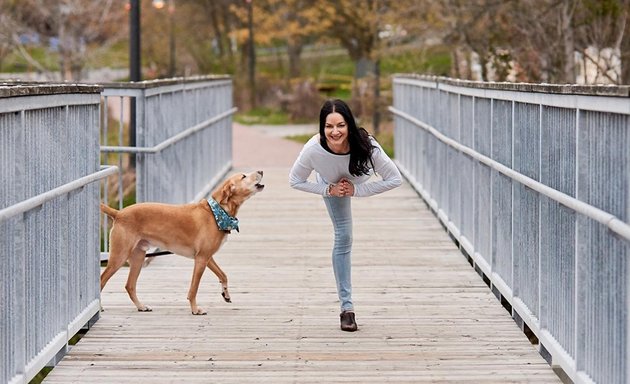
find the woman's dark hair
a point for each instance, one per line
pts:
(360, 145)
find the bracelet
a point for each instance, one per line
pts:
(328, 189)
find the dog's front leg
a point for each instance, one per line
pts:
(135, 266)
(194, 286)
(222, 279)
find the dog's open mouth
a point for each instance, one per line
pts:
(259, 186)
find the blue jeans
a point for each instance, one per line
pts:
(340, 213)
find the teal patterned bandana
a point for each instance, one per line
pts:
(223, 219)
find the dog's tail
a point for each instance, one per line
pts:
(109, 211)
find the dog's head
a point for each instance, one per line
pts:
(238, 188)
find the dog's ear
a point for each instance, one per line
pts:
(226, 192)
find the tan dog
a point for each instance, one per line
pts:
(189, 230)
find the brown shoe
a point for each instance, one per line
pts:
(347, 321)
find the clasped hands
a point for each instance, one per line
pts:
(343, 188)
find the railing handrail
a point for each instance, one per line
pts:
(147, 84)
(613, 99)
(170, 141)
(620, 91)
(612, 222)
(21, 88)
(42, 198)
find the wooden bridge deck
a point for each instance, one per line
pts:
(424, 315)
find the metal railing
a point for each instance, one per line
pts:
(183, 138)
(50, 165)
(49, 237)
(533, 183)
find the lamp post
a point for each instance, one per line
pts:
(251, 52)
(135, 72)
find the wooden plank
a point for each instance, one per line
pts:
(424, 314)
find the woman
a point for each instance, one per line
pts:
(344, 157)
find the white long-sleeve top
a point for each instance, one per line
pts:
(330, 168)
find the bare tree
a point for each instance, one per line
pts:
(477, 31)
(210, 29)
(6, 38)
(538, 40)
(623, 42)
(600, 35)
(75, 28)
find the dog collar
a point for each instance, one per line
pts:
(225, 222)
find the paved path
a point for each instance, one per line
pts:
(264, 146)
(424, 315)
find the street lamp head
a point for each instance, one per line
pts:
(159, 4)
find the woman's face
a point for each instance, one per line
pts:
(336, 130)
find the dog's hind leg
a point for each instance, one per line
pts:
(117, 257)
(194, 286)
(109, 271)
(214, 267)
(135, 266)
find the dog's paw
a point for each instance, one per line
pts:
(145, 309)
(200, 312)
(226, 297)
